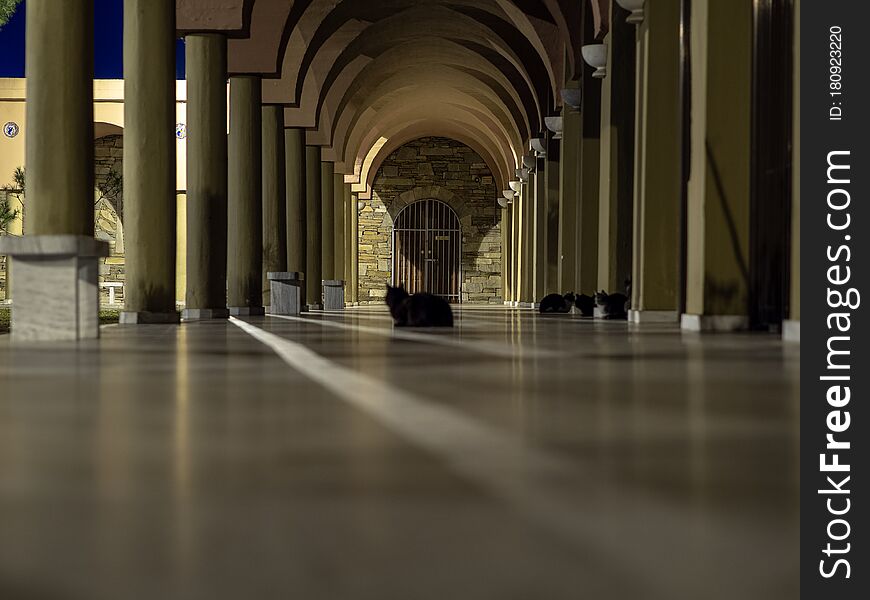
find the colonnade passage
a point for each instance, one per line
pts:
(214, 443)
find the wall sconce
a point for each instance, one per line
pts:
(516, 186)
(595, 56)
(509, 194)
(555, 125)
(360, 205)
(503, 203)
(635, 7)
(539, 145)
(572, 97)
(523, 174)
(529, 163)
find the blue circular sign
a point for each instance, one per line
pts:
(10, 129)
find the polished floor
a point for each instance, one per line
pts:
(516, 457)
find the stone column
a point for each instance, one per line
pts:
(149, 161)
(507, 237)
(206, 294)
(516, 250)
(274, 197)
(353, 244)
(528, 257)
(569, 195)
(586, 260)
(717, 287)
(327, 211)
(297, 232)
(60, 117)
(554, 193)
(245, 232)
(655, 279)
(539, 275)
(338, 226)
(791, 329)
(617, 154)
(314, 219)
(56, 294)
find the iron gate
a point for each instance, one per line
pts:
(426, 249)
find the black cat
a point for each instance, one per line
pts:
(586, 305)
(613, 306)
(554, 303)
(419, 310)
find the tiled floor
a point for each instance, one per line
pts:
(516, 457)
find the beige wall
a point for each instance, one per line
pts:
(108, 108)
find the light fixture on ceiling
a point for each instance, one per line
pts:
(539, 145)
(555, 125)
(595, 56)
(635, 7)
(572, 97)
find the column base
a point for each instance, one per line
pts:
(204, 314)
(149, 318)
(791, 331)
(310, 307)
(247, 311)
(713, 323)
(525, 305)
(333, 294)
(653, 316)
(56, 286)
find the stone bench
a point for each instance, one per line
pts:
(333, 294)
(288, 291)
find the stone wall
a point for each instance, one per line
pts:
(445, 170)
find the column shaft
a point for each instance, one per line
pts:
(507, 253)
(569, 196)
(297, 228)
(554, 192)
(586, 260)
(617, 154)
(245, 234)
(720, 184)
(206, 175)
(338, 228)
(539, 283)
(354, 247)
(657, 166)
(60, 117)
(314, 218)
(149, 214)
(791, 328)
(274, 197)
(327, 208)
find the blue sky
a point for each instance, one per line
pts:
(108, 43)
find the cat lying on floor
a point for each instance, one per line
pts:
(555, 303)
(418, 310)
(586, 305)
(612, 306)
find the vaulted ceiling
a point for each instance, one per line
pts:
(367, 76)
